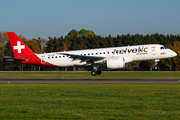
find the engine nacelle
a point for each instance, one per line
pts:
(117, 63)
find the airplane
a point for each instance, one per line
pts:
(109, 58)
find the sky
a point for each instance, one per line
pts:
(49, 18)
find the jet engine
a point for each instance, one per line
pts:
(117, 63)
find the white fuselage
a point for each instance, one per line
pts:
(131, 53)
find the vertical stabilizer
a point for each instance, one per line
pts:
(19, 48)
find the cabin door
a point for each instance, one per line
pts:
(153, 50)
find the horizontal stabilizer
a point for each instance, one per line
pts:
(12, 59)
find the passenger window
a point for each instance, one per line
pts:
(48, 57)
(52, 57)
(88, 54)
(162, 48)
(107, 52)
(56, 56)
(92, 54)
(96, 53)
(59, 56)
(104, 52)
(100, 52)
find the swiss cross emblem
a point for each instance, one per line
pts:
(19, 47)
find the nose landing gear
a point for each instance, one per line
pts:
(156, 63)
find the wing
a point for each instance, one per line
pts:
(85, 58)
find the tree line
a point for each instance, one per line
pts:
(87, 39)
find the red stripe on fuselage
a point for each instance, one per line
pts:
(34, 60)
(163, 53)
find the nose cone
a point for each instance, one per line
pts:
(173, 54)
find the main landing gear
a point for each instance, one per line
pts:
(94, 73)
(96, 70)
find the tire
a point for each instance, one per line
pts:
(98, 72)
(93, 73)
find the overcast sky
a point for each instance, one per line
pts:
(49, 18)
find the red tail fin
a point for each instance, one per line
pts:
(18, 46)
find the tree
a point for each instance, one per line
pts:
(42, 44)
(134, 66)
(110, 42)
(50, 45)
(3, 41)
(34, 46)
(66, 44)
(86, 39)
(86, 33)
(176, 60)
(73, 34)
(151, 64)
(8, 52)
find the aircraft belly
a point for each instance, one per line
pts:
(140, 57)
(78, 63)
(61, 62)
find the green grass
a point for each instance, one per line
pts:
(90, 101)
(87, 75)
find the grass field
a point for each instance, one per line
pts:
(90, 101)
(87, 75)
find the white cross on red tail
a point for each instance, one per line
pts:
(19, 47)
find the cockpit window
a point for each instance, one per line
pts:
(163, 47)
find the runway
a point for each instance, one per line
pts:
(91, 81)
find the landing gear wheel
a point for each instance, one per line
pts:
(98, 72)
(93, 73)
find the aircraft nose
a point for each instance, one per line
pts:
(173, 54)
